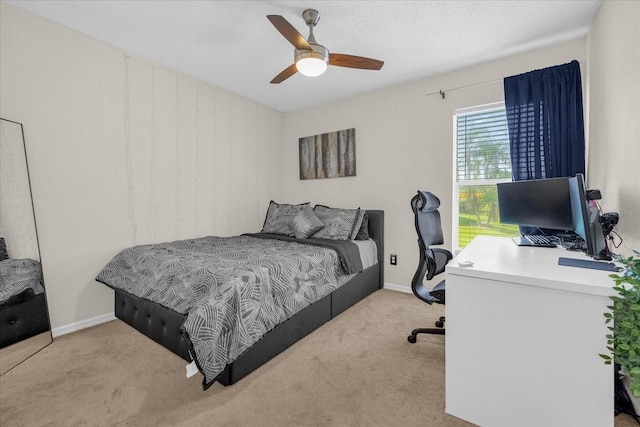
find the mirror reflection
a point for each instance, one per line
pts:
(24, 318)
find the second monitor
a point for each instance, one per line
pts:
(539, 203)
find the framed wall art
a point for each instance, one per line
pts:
(328, 155)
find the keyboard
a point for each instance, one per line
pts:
(535, 240)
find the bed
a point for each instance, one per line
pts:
(23, 306)
(182, 327)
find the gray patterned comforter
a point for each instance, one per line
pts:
(232, 289)
(18, 276)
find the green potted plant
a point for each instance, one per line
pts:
(623, 342)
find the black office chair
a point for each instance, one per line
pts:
(432, 260)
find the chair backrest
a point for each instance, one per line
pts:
(428, 226)
(427, 218)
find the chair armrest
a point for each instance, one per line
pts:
(442, 257)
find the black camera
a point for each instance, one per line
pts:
(608, 221)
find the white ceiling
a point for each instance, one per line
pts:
(231, 44)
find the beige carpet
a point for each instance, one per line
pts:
(356, 370)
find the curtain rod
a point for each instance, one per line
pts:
(443, 92)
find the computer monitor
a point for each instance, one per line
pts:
(540, 203)
(586, 218)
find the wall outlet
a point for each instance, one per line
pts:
(393, 259)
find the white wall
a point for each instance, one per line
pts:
(404, 143)
(124, 152)
(614, 110)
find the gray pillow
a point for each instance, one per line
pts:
(305, 223)
(3, 250)
(363, 233)
(279, 215)
(357, 226)
(339, 224)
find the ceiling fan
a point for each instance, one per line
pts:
(311, 58)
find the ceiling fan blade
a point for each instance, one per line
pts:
(352, 61)
(285, 74)
(289, 32)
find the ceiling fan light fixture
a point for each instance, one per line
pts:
(312, 63)
(311, 67)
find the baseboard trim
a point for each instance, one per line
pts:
(397, 288)
(73, 327)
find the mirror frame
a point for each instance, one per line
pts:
(15, 353)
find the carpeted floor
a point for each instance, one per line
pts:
(356, 370)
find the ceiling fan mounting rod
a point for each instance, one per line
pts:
(311, 18)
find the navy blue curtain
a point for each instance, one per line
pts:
(546, 125)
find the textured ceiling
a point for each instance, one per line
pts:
(231, 44)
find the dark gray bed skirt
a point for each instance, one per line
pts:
(164, 325)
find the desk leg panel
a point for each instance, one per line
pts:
(519, 355)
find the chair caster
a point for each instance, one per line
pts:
(411, 339)
(440, 322)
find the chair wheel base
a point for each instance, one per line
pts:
(414, 334)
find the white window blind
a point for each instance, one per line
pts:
(482, 160)
(482, 141)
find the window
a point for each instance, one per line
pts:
(482, 160)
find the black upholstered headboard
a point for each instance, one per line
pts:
(376, 232)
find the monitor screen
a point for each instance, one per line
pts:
(541, 203)
(585, 217)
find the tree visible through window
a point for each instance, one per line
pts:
(482, 161)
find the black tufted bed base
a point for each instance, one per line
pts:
(163, 325)
(23, 319)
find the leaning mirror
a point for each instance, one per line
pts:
(24, 318)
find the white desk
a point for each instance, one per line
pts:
(524, 337)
